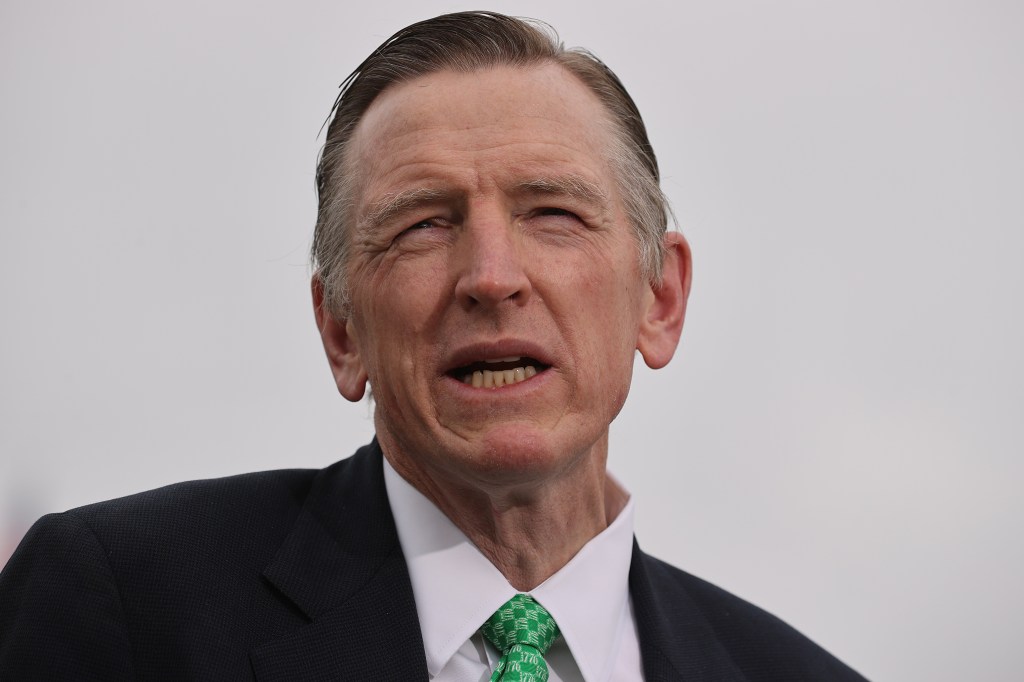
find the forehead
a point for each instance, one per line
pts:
(482, 127)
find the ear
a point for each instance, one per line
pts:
(665, 306)
(340, 345)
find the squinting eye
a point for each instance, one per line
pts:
(557, 212)
(429, 228)
(421, 225)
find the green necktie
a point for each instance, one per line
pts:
(522, 630)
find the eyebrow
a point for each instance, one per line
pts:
(573, 186)
(391, 205)
(394, 204)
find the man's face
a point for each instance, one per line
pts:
(489, 239)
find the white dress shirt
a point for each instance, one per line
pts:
(457, 588)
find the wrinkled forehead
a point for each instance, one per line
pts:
(543, 104)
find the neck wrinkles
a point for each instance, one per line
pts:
(528, 530)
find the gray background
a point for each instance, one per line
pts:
(839, 438)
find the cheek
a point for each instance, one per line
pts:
(397, 309)
(605, 325)
(399, 300)
(610, 298)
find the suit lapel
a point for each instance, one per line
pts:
(676, 641)
(342, 567)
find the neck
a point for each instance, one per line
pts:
(527, 529)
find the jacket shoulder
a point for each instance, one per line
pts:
(205, 508)
(118, 588)
(760, 645)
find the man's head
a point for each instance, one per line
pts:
(466, 42)
(495, 292)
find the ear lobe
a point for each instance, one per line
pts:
(340, 345)
(665, 311)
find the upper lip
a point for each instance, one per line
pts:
(492, 350)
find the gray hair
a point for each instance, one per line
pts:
(465, 42)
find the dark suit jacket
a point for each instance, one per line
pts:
(299, 575)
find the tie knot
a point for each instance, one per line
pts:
(521, 620)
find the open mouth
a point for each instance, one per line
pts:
(498, 372)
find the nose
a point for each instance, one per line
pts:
(491, 264)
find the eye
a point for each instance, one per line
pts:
(550, 211)
(424, 231)
(421, 225)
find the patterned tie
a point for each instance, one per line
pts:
(522, 630)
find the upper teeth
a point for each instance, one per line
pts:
(488, 379)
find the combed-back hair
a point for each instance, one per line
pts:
(466, 42)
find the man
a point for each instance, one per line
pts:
(490, 252)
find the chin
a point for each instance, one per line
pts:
(512, 454)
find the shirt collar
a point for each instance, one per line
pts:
(457, 588)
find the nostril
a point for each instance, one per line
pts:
(493, 290)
